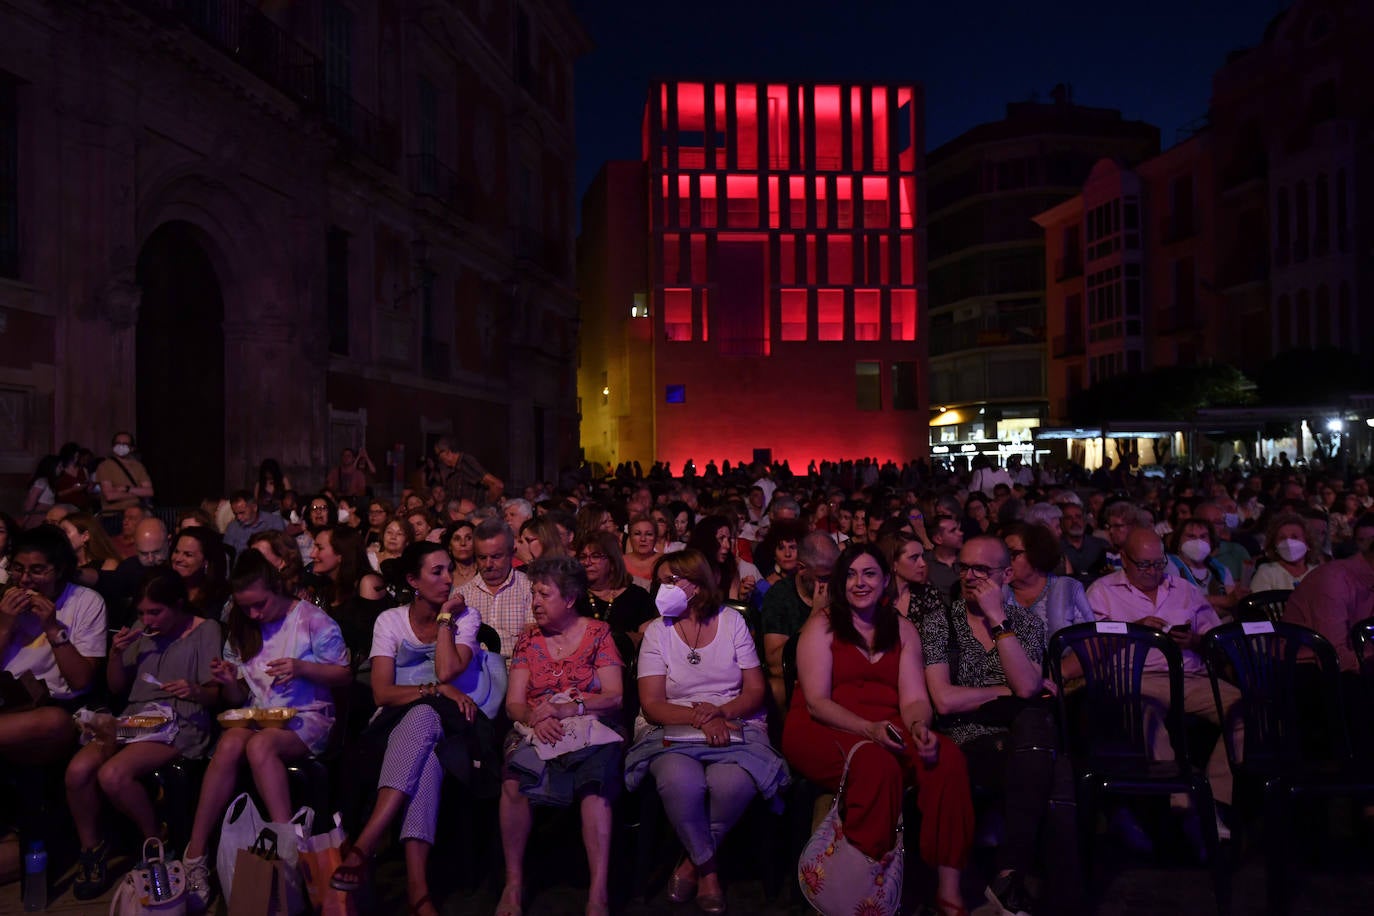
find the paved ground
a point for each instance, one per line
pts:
(1333, 876)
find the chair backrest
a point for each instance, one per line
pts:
(1266, 605)
(1362, 638)
(1110, 717)
(1288, 678)
(629, 654)
(488, 638)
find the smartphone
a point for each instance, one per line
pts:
(1181, 628)
(895, 735)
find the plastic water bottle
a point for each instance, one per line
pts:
(36, 878)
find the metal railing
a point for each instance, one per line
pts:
(361, 128)
(429, 177)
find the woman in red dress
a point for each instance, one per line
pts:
(861, 671)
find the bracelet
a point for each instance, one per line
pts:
(1002, 635)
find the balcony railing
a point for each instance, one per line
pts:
(1066, 345)
(1023, 326)
(247, 35)
(429, 177)
(361, 129)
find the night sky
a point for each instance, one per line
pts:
(1154, 61)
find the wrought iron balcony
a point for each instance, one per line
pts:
(361, 129)
(429, 177)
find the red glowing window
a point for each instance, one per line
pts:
(867, 314)
(856, 125)
(829, 130)
(830, 314)
(884, 260)
(747, 127)
(691, 125)
(811, 260)
(778, 138)
(822, 207)
(844, 202)
(684, 200)
(903, 317)
(880, 141)
(699, 272)
(708, 201)
(906, 189)
(774, 214)
(875, 202)
(907, 249)
(672, 258)
(906, 130)
(793, 314)
(787, 259)
(840, 260)
(742, 201)
(677, 314)
(801, 121)
(796, 202)
(720, 148)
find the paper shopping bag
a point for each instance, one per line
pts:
(260, 881)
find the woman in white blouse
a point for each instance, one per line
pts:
(702, 731)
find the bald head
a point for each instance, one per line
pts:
(150, 540)
(1143, 560)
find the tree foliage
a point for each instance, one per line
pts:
(1326, 375)
(1171, 393)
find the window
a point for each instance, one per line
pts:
(830, 314)
(640, 306)
(742, 201)
(336, 289)
(868, 385)
(1303, 229)
(1321, 240)
(840, 260)
(677, 314)
(793, 314)
(1342, 229)
(903, 314)
(675, 394)
(672, 258)
(1284, 239)
(867, 314)
(904, 395)
(9, 177)
(338, 65)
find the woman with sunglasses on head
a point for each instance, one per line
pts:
(280, 652)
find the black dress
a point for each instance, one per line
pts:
(629, 611)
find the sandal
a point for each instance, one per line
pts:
(350, 878)
(950, 907)
(93, 872)
(418, 908)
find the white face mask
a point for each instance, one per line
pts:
(1195, 550)
(1292, 550)
(671, 601)
(121, 450)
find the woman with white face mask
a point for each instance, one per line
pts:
(1194, 543)
(1290, 559)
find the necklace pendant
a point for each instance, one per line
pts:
(693, 657)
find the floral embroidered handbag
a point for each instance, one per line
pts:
(839, 880)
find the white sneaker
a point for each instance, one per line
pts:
(199, 893)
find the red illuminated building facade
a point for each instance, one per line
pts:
(769, 284)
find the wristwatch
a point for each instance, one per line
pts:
(444, 620)
(62, 637)
(999, 630)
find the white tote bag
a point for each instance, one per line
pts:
(239, 830)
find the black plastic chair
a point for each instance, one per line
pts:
(789, 669)
(1362, 639)
(488, 638)
(1107, 725)
(1266, 605)
(1295, 743)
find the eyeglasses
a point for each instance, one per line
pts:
(37, 571)
(976, 570)
(586, 558)
(671, 579)
(1150, 565)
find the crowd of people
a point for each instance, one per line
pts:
(778, 627)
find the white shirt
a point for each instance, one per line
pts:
(393, 637)
(82, 612)
(718, 678)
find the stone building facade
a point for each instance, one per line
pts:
(250, 230)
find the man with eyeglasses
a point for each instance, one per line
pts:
(1146, 592)
(1119, 519)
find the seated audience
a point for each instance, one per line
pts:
(610, 595)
